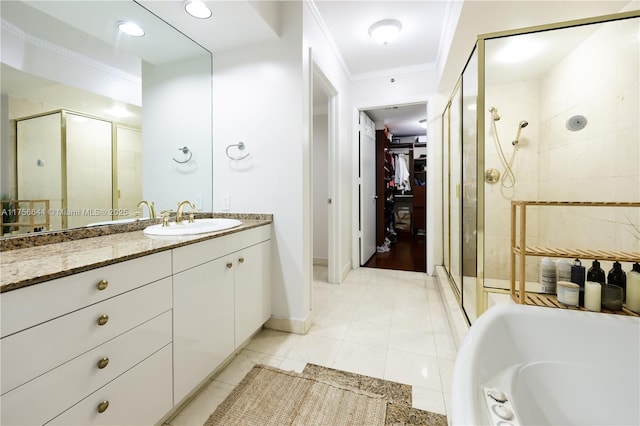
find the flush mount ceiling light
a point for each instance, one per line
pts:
(385, 31)
(197, 9)
(130, 28)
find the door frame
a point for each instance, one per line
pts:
(333, 255)
(355, 201)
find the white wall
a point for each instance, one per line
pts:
(409, 87)
(326, 60)
(258, 100)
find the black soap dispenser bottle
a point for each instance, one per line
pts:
(596, 273)
(577, 277)
(617, 277)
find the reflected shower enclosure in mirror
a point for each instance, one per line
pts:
(98, 115)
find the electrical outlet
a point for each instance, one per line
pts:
(226, 203)
(199, 202)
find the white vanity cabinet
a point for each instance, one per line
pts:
(126, 343)
(68, 339)
(252, 290)
(221, 297)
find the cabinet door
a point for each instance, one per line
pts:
(252, 290)
(202, 322)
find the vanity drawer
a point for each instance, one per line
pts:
(141, 396)
(32, 352)
(29, 306)
(45, 397)
(198, 253)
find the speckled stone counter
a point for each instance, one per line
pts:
(59, 254)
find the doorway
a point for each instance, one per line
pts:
(324, 193)
(400, 187)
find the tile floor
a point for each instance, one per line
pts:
(378, 322)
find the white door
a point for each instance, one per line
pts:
(367, 188)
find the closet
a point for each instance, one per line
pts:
(400, 213)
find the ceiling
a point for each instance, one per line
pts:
(436, 34)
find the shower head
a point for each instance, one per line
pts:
(521, 125)
(494, 114)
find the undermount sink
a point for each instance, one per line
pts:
(199, 226)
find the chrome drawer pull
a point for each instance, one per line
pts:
(241, 260)
(102, 407)
(103, 363)
(229, 265)
(102, 284)
(103, 319)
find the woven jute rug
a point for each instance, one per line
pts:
(319, 396)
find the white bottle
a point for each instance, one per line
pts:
(633, 289)
(563, 270)
(548, 275)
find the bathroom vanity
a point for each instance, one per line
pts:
(123, 328)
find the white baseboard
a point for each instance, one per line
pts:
(289, 325)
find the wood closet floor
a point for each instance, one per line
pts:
(408, 254)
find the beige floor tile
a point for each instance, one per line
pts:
(413, 369)
(361, 359)
(203, 405)
(428, 399)
(273, 342)
(414, 341)
(368, 333)
(315, 349)
(243, 363)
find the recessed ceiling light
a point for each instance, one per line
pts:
(197, 9)
(385, 31)
(131, 28)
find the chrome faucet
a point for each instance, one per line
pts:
(181, 205)
(150, 206)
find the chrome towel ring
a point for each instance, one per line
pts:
(241, 147)
(186, 151)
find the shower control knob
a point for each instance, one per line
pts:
(497, 395)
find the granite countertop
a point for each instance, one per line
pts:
(23, 267)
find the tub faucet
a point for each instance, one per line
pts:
(181, 205)
(152, 210)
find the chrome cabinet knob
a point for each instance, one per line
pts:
(103, 284)
(103, 319)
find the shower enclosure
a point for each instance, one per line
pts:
(561, 104)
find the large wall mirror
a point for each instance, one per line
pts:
(93, 121)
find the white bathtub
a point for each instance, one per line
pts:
(556, 366)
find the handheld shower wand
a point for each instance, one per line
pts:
(521, 125)
(494, 114)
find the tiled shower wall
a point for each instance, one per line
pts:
(598, 80)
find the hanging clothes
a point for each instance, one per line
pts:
(402, 173)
